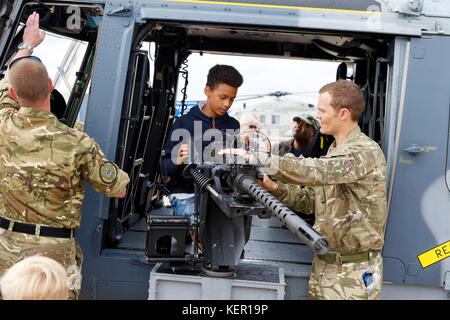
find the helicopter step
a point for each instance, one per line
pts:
(251, 282)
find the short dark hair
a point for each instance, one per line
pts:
(222, 73)
(346, 94)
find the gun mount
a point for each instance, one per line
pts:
(227, 196)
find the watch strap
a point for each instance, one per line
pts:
(26, 46)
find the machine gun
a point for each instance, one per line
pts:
(227, 196)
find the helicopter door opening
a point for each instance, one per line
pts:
(167, 74)
(273, 97)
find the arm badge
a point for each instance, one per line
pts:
(108, 172)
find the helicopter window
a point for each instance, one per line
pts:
(67, 50)
(62, 64)
(62, 67)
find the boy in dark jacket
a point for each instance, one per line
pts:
(221, 88)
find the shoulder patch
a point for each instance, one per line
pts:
(108, 172)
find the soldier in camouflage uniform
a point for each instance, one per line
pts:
(346, 190)
(43, 169)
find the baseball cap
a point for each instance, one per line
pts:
(306, 118)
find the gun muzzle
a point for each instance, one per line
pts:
(318, 243)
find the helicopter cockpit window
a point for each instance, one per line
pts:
(62, 65)
(67, 52)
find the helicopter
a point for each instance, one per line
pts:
(394, 48)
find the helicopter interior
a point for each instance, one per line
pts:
(156, 74)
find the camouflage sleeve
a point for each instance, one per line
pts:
(346, 168)
(6, 101)
(295, 197)
(79, 126)
(103, 175)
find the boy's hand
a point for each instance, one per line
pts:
(183, 154)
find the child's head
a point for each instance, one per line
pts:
(221, 89)
(222, 73)
(35, 278)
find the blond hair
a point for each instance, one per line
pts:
(29, 79)
(35, 278)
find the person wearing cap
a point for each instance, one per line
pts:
(44, 167)
(303, 132)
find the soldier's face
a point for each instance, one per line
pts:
(327, 115)
(220, 99)
(302, 131)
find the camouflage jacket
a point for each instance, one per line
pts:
(44, 166)
(345, 189)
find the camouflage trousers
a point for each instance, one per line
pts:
(331, 281)
(15, 246)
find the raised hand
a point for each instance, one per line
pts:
(31, 34)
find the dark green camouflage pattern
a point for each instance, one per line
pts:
(44, 166)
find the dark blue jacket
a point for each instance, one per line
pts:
(177, 183)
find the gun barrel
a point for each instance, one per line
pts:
(318, 243)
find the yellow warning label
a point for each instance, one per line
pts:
(434, 255)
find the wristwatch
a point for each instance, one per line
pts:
(26, 46)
